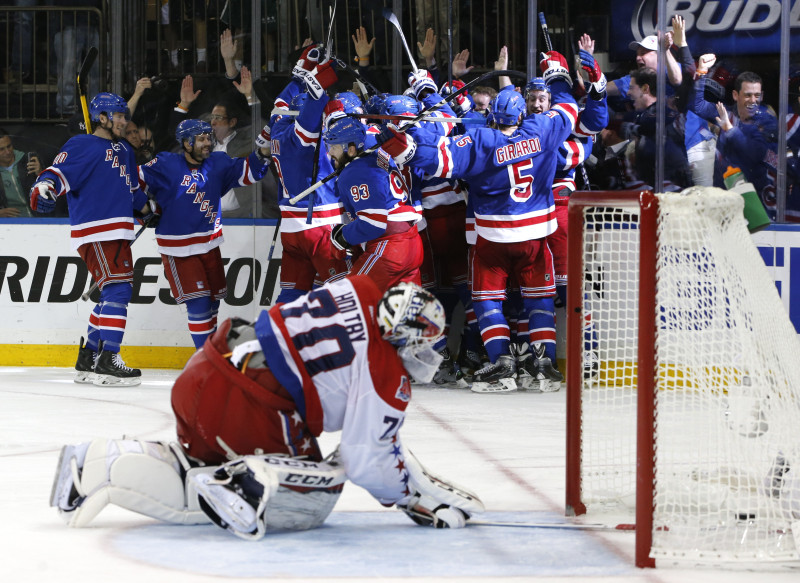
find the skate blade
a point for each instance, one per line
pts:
(106, 380)
(457, 384)
(452, 383)
(84, 377)
(549, 386)
(63, 464)
(501, 386)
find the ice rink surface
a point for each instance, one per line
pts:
(509, 448)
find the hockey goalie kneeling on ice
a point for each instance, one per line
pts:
(250, 405)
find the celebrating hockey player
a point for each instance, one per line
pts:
(377, 198)
(592, 118)
(337, 359)
(97, 173)
(500, 164)
(188, 187)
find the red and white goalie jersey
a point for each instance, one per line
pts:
(326, 349)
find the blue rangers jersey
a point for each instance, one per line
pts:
(375, 194)
(99, 178)
(510, 177)
(190, 197)
(294, 143)
(592, 119)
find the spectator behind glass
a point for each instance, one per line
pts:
(134, 137)
(173, 14)
(76, 31)
(18, 170)
(146, 139)
(643, 90)
(22, 45)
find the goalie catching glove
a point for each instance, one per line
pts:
(317, 76)
(434, 501)
(43, 196)
(554, 66)
(397, 144)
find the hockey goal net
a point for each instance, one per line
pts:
(693, 402)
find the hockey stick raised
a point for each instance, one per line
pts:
(543, 23)
(412, 121)
(85, 295)
(389, 15)
(91, 57)
(329, 40)
(555, 525)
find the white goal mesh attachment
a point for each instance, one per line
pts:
(695, 388)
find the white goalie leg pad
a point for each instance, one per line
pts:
(434, 501)
(142, 476)
(254, 494)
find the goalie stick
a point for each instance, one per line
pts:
(389, 15)
(412, 121)
(555, 525)
(88, 62)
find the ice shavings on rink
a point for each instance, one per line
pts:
(377, 544)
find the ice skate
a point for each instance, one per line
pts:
(85, 364)
(591, 365)
(449, 372)
(546, 377)
(524, 359)
(470, 361)
(497, 377)
(111, 370)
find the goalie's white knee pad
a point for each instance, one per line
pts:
(254, 494)
(142, 476)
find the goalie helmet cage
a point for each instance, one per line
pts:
(696, 394)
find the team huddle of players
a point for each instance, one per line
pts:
(471, 206)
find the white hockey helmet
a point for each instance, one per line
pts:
(410, 316)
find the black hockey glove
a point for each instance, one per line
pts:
(338, 240)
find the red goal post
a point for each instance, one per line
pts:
(696, 395)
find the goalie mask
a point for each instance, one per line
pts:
(412, 319)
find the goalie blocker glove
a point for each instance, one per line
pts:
(554, 66)
(596, 76)
(426, 511)
(398, 145)
(43, 196)
(435, 501)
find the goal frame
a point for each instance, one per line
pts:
(646, 202)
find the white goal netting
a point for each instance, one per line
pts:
(727, 398)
